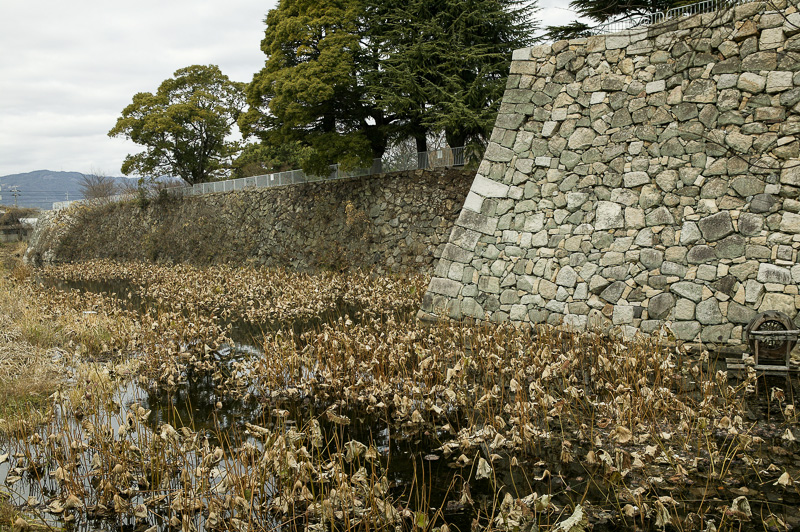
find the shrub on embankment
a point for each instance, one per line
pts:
(390, 222)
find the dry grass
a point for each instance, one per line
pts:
(28, 373)
(543, 424)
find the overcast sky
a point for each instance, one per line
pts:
(67, 69)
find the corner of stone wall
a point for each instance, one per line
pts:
(50, 228)
(637, 180)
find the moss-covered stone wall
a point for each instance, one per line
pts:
(392, 222)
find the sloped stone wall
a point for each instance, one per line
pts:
(387, 223)
(638, 179)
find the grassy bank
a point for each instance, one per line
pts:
(44, 337)
(29, 372)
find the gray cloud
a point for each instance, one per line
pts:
(67, 69)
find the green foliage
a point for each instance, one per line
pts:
(259, 159)
(605, 10)
(346, 78)
(445, 62)
(572, 30)
(601, 11)
(183, 126)
(311, 88)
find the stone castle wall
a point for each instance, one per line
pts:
(387, 223)
(638, 179)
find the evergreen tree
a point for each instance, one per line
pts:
(260, 158)
(602, 11)
(311, 88)
(444, 64)
(346, 78)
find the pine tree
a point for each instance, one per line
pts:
(444, 63)
(311, 88)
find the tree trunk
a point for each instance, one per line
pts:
(422, 150)
(378, 142)
(455, 140)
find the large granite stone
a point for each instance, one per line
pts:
(738, 313)
(708, 313)
(769, 273)
(690, 233)
(750, 224)
(613, 292)
(608, 215)
(651, 258)
(489, 188)
(701, 91)
(701, 255)
(567, 276)
(731, 247)
(762, 203)
(716, 227)
(780, 302)
(660, 306)
(685, 330)
(718, 334)
(689, 290)
(477, 222)
(445, 287)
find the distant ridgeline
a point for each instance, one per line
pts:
(42, 188)
(640, 178)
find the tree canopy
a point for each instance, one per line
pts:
(347, 78)
(262, 158)
(311, 88)
(444, 64)
(604, 10)
(183, 126)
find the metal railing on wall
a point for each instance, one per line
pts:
(427, 160)
(639, 21)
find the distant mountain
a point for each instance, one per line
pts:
(41, 188)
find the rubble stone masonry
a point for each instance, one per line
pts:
(638, 179)
(385, 223)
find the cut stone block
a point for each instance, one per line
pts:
(477, 222)
(444, 287)
(717, 226)
(488, 188)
